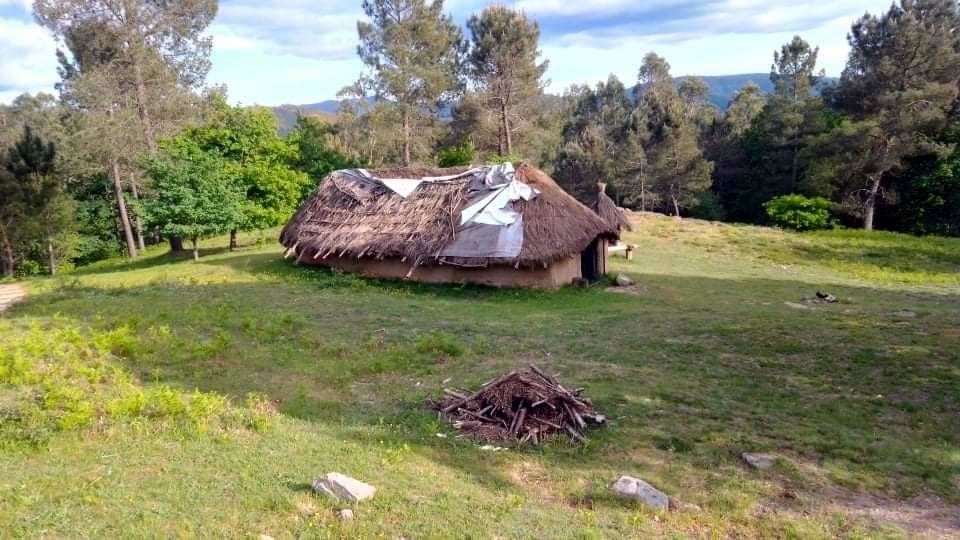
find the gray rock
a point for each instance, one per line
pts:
(759, 461)
(623, 280)
(638, 490)
(904, 314)
(345, 514)
(343, 487)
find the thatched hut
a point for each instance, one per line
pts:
(609, 211)
(488, 225)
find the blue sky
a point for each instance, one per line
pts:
(302, 51)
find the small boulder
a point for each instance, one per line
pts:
(343, 487)
(623, 280)
(345, 514)
(638, 490)
(759, 461)
(904, 314)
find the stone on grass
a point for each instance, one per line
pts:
(345, 514)
(343, 487)
(638, 490)
(623, 280)
(759, 461)
(904, 314)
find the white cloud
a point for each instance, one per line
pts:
(27, 58)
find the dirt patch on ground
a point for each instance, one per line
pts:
(925, 516)
(10, 294)
(635, 290)
(533, 477)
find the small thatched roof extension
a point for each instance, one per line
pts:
(609, 211)
(347, 218)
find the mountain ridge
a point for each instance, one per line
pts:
(722, 90)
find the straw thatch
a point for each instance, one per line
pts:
(350, 219)
(609, 211)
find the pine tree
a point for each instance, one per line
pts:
(503, 65)
(35, 198)
(415, 56)
(675, 162)
(899, 89)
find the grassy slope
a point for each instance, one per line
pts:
(707, 362)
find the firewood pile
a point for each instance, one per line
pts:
(527, 406)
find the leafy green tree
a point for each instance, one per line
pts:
(414, 53)
(800, 213)
(259, 163)
(196, 193)
(503, 63)
(899, 90)
(317, 151)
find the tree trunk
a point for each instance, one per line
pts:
(9, 265)
(870, 205)
(52, 257)
(233, 239)
(137, 226)
(406, 138)
(196, 250)
(676, 206)
(122, 209)
(506, 144)
(142, 111)
(176, 244)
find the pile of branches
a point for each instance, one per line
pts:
(528, 406)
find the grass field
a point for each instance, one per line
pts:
(113, 378)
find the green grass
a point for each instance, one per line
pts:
(705, 362)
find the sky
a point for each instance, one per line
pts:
(304, 51)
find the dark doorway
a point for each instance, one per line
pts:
(590, 268)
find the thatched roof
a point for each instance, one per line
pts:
(609, 211)
(344, 218)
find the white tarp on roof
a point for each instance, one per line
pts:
(489, 226)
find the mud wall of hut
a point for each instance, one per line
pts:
(554, 276)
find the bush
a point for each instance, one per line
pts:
(69, 379)
(457, 156)
(800, 213)
(497, 159)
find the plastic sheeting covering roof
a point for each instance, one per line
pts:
(490, 225)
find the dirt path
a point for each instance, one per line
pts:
(10, 294)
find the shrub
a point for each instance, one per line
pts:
(800, 213)
(68, 379)
(497, 159)
(439, 343)
(457, 156)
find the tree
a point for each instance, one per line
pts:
(317, 150)
(258, 162)
(149, 54)
(196, 194)
(724, 145)
(415, 55)
(503, 65)
(600, 143)
(899, 89)
(675, 162)
(139, 32)
(37, 207)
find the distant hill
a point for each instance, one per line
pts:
(722, 89)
